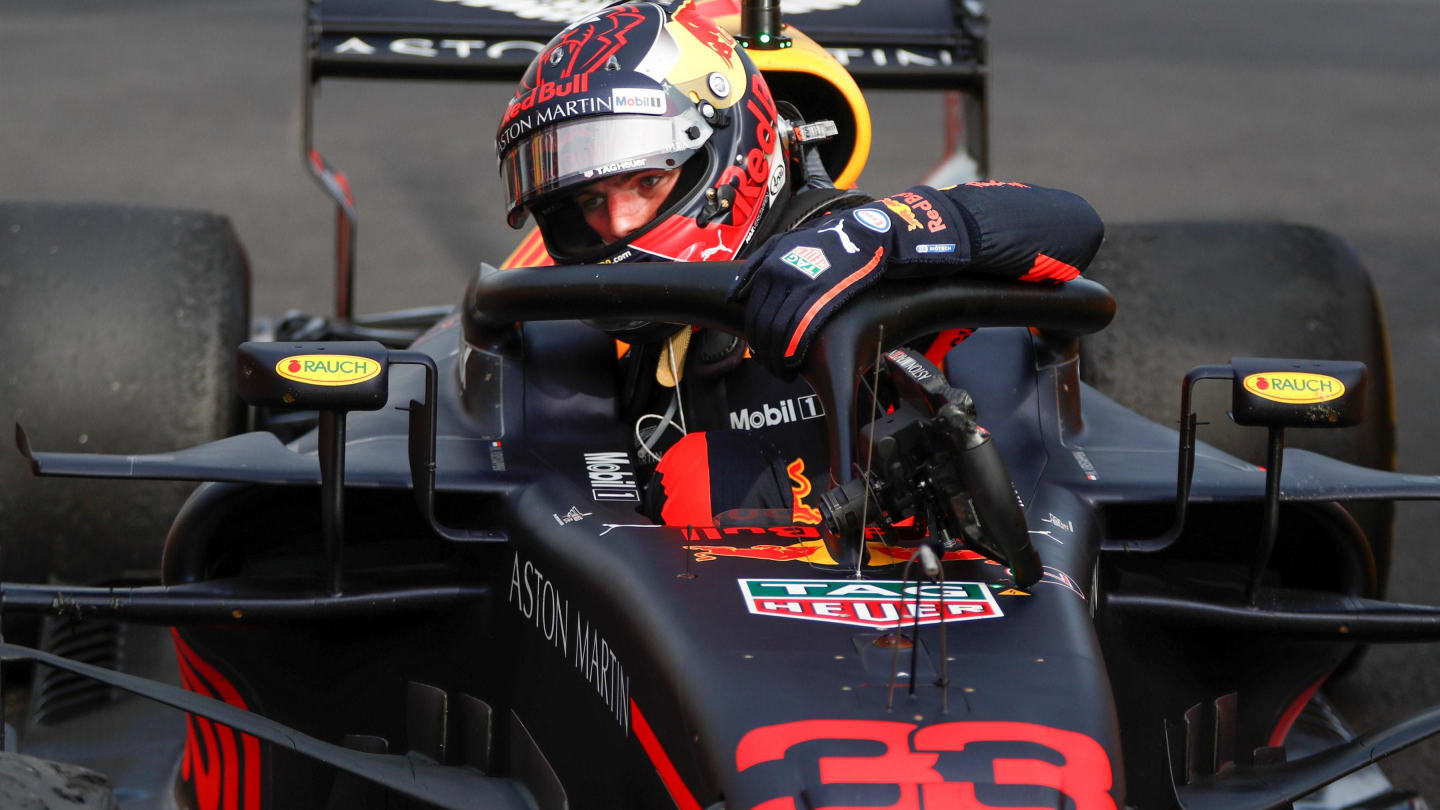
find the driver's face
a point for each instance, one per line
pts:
(618, 206)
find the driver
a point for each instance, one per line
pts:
(646, 133)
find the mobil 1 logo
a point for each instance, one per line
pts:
(879, 604)
(611, 478)
(785, 411)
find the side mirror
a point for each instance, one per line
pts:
(1276, 394)
(335, 376)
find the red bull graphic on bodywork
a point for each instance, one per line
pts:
(810, 548)
(220, 766)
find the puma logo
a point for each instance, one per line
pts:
(839, 229)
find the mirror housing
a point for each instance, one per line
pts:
(325, 376)
(1270, 392)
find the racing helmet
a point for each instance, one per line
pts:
(640, 86)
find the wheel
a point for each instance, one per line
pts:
(119, 326)
(28, 783)
(1189, 294)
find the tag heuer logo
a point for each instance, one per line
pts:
(808, 260)
(879, 604)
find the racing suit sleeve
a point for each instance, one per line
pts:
(798, 280)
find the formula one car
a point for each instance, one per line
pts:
(1022, 593)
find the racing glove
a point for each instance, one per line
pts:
(798, 280)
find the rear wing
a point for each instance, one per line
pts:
(936, 45)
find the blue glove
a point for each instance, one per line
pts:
(797, 281)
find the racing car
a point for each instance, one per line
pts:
(1023, 592)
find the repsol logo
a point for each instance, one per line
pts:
(611, 478)
(767, 415)
(327, 369)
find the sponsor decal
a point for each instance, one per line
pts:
(1085, 465)
(637, 100)
(569, 108)
(877, 604)
(573, 516)
(545, 91)
(1072, 764)
(1058, 523)
(909, 199)
(611, 478)
(220, 765)
(912, 367)
(872, 219)
(839, 230)
(801, 488)
(1294, 387)
(718, 247)
(328, 369)
(809, 260)
(903, 211)
(571, 10)
(994, 184)
(497, 457)
(618, 166)
(514, 50)
(884, 57)
(938, 248)
(752, 176)
(767, 415)
(707, 32)
(537, 599)
(777, 179)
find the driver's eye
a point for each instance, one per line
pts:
(590, 202)
(651, 180)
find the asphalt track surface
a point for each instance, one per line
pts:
(1314, 111)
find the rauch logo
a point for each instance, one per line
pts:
(328, 369)
(1294, 387)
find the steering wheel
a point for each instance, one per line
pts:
(696, 292)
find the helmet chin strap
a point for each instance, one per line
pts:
(671, 367)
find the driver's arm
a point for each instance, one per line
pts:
(1004, 229)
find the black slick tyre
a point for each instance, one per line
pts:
(28, 783)
(119, 326)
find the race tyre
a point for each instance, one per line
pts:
(119, 326)
(28, 783)
(1189, 294)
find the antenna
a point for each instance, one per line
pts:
(760, 27)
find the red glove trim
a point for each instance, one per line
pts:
(1047, 268)
(826, 298)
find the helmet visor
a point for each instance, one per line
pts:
(577, 153)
